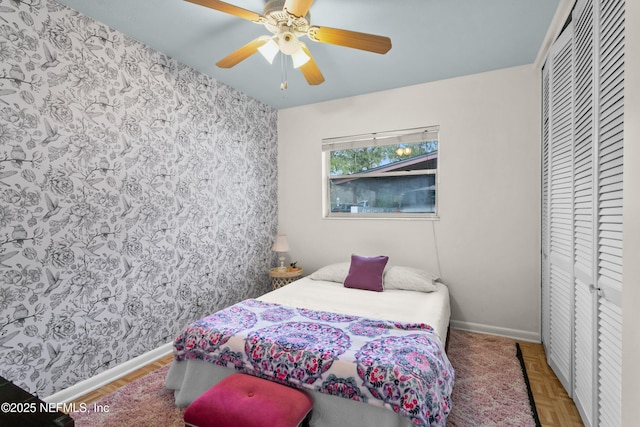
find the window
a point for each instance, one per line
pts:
(382, 175)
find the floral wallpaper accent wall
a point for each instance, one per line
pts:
(136, 195)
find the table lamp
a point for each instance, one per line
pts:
(281, 245)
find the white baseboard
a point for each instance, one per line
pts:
(90, 384)
(515, 334)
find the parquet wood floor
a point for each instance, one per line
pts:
(555, 408)
(114, 385)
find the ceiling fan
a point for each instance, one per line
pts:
(288, 20)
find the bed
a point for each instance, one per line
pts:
(404, 314)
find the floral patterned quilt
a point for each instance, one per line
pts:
(399, 366)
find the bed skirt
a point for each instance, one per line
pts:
(189, 379)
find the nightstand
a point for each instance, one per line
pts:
(281, 278)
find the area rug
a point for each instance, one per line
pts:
(144, 402)
(490, 390)
(491, 387)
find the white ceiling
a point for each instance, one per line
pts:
(432, 40)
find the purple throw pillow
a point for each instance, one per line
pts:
(366, 273)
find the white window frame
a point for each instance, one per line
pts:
(406, 136)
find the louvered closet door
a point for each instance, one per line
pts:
(582, 153)
(610, 18)
(545, 205)
(584, 233)
(560, 343)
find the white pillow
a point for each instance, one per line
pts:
(408, 279)
(332, 272)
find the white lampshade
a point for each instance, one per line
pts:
(281, 244)
(299, 57)
(269, 50)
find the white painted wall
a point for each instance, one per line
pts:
(631, 243)
(488, 234)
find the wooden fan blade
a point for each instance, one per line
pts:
(353, 39)
(298, 8)
(228, 8)
(243, 53)
(310, 70)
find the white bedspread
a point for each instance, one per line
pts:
(404, 306)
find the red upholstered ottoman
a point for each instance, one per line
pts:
(242, 400)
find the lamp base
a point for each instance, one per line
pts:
(281, 267)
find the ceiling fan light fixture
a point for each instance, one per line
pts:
(288, 42)
(269, 50)
(299, 57)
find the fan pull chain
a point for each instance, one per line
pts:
(283, 72)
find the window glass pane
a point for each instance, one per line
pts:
(387, 158)
(386, 175)
(383, 194)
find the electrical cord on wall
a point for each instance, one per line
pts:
(435, 246)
